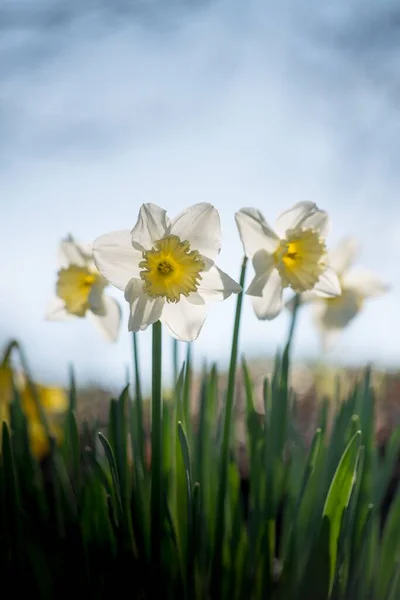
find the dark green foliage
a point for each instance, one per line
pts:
(304, 523)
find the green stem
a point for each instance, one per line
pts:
(281, 422)
(156, 448)
(138, 398)
(286, 353)
(220, 521)
(175, 358)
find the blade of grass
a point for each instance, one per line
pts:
(220, 517)
(156, 448)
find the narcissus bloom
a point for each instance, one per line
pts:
(358, 284)
(166, 268)
(293, 256)
(54, 402)
(80, 291)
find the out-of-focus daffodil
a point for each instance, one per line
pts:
(293, 256)
(54, 402)
(358, 284)
(80, 291)
(165, 267)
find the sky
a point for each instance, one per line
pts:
(105, 106)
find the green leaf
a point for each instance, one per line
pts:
(389, 556)
(321, 569)
(338, 499)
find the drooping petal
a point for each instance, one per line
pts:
(270, 304)
(255, 232)
(365, 283)
(116, 258)
(328, 285)
(72, 253)
(108, 318)
(329, 338)
(151, 225)
(263, 263)
(96, 298)
(200, 225)
(184, 320)
(343, 255)
(216, 285)
(302, 215)
(336, 313)
(56, 311)
(144, 311)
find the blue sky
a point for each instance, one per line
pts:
(238, 104)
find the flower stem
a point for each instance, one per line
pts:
(286, 353)
(138, 397)
(156, 446)
(220, 517)
(175, 359)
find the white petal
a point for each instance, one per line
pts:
(96, 299)
(56, 310)
(365, 283)
(195, 298)
(216, 285)
(72, 253)
(152, 224)
(108, 319)
(144, 311)
(328, 285)
(116, 258)
(337, 313)
(270, 304)
(255, 232)
(329, 338)
(343, 255)
(183, 319)
(200, 225)
(302, 215)
(263, 263)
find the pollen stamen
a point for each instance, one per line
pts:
(301, 258)
(171, 269)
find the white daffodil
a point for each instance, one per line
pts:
(80, 290)
(293, 256)
(358, 284)
(165, 267)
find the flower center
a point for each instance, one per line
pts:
(301, 259)
(170, 269)
(74, 286)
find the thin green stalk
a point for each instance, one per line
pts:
(138, 397)
(156, 448)
(226, 437)
(280, 408)
(175, 359)
(286, 353)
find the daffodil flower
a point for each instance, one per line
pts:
(53, 400)
(165, 267)
(358, 284)
(80, 291)
(293, 256)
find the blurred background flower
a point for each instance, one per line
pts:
(80, 291)
(53, 400)
(333, 315)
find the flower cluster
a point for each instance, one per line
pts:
(166, 268)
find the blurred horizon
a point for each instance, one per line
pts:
(107, 105)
